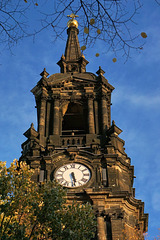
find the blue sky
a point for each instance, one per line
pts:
(136, 100)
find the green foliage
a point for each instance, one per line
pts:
(83, 217)
(30, 211)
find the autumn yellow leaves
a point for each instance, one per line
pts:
(98, 31)
(86, 31)
(36, 4)
(143, 35)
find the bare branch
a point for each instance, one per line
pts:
(158, 2)
(112, 18)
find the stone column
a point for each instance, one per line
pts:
(96, 116)
(101, 228)
(42, 116)
(48, 106)
(91, 128)
(104, 114)
(56, 117)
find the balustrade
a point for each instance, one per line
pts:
(72, 140)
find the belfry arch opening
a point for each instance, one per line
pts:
(74, 119)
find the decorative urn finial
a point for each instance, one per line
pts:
(72, 22)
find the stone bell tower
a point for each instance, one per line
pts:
(77, 144)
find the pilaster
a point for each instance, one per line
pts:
(42, 116)
(96, 116)
(91, 126)
(104, 114)
(117, 226)
(56, 116)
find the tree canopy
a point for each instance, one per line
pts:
(32, 211)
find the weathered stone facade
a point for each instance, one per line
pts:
(74, 126)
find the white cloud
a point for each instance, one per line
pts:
(136, 99)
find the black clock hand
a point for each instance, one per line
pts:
(73, 177)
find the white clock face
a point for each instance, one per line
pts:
(73, 175)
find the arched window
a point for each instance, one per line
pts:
(74, 120)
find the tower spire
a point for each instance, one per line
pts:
(72, 60)
(72, 51)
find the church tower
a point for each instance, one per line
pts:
(77, 144)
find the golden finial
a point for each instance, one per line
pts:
(72, 22)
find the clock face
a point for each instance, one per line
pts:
(73, 175)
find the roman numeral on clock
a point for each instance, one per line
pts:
(59, 175)
(65, 167)
(86, 174)
(84, 170)
(84, 180)
(72, 165)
